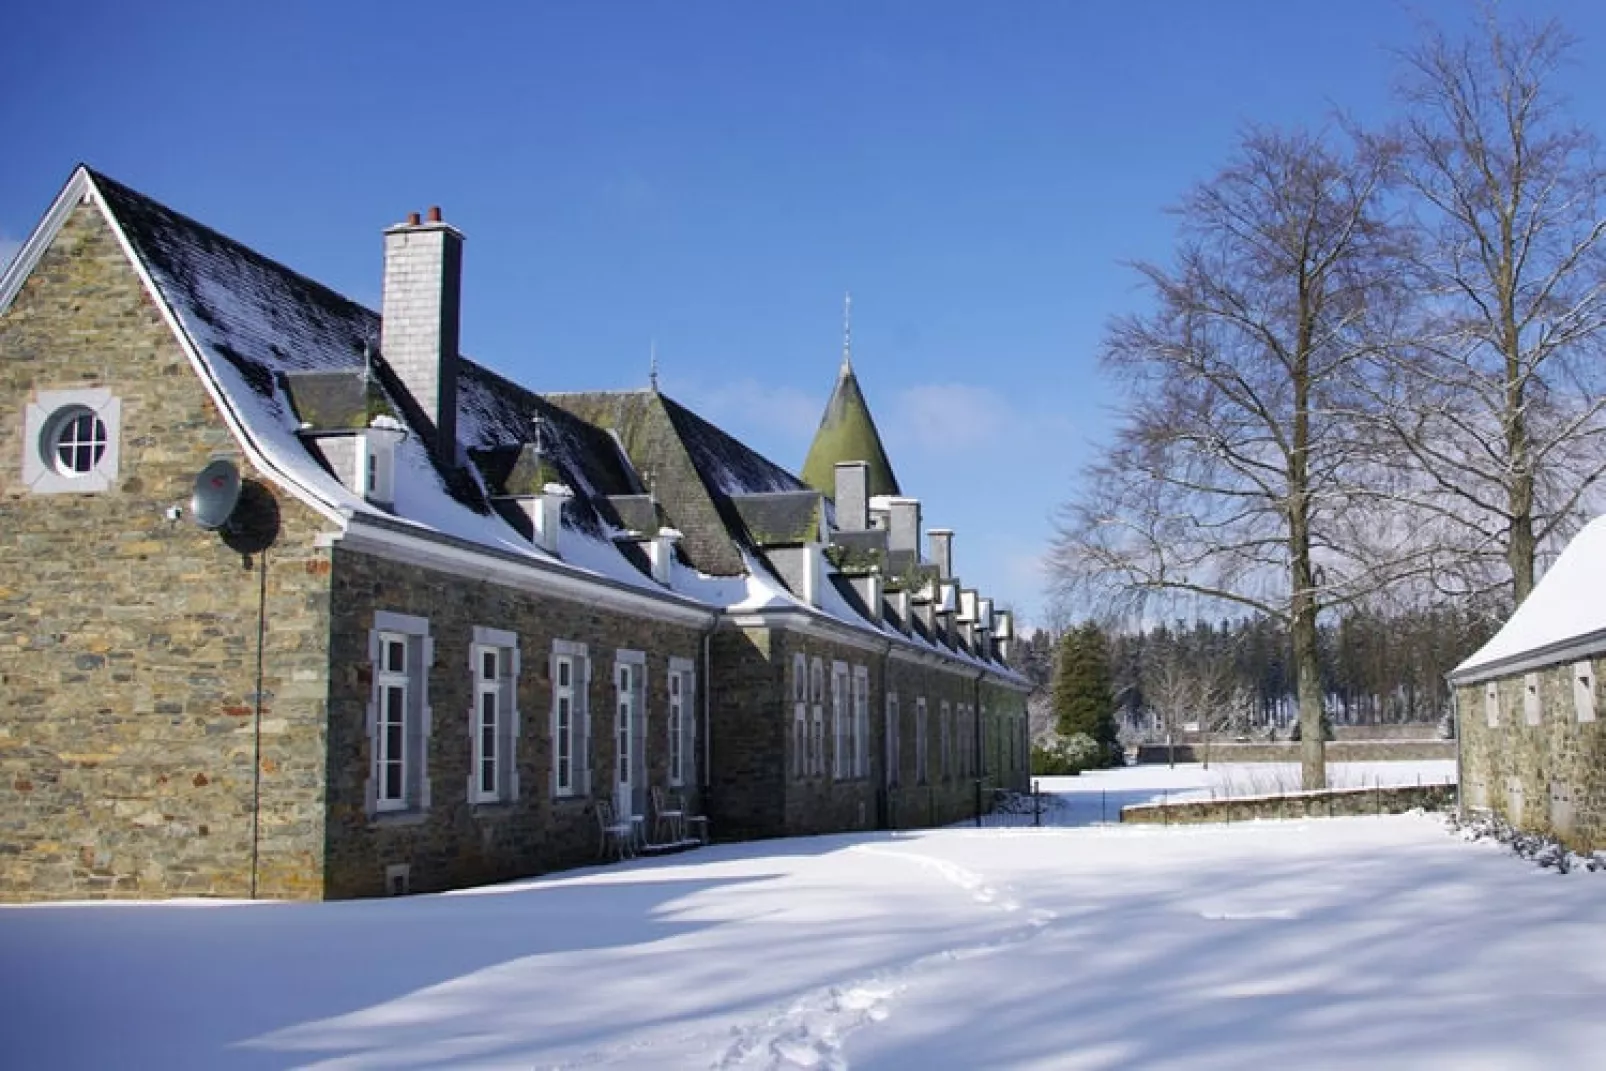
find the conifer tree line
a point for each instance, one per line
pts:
(1367, 398)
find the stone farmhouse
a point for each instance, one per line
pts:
(1530, 736)
(297, 601)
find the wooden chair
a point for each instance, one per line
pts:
(617, 835)
(669, 816)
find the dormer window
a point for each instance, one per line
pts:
(377, 448)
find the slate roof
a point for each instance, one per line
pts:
(287, 357)
(848, 433)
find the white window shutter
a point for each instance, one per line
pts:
(582, 702)
(421, 728)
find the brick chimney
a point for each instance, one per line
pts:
(420, 310)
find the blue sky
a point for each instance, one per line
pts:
(715, 175)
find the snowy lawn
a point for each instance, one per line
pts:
(1098, 795)
(1376, 942)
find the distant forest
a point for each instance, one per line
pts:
(1238, 675)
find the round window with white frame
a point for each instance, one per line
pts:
(75, 440)
(71, 441)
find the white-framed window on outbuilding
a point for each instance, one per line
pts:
(1491, 704)
(1530, 698)
(682, 721)
(400, 651)
(817, 728)
(70, 441)
(1584, 690)
(494, 717)
(571, 719)
(861, 721)
(800, 717)
(945, 741)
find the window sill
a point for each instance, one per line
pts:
(413, 817)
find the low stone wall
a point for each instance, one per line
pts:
(1332, 803)
(1288, 751)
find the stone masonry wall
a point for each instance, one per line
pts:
(1548, 777)
(1335, 803)
(456, 842)
(1288, 751)
(128, 642)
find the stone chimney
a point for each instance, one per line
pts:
(419, 326)
(942, 551)
(852, 496)
(903, 525)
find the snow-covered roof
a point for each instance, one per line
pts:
(265, 337)
(1563, 618)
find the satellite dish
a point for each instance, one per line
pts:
(217, 492)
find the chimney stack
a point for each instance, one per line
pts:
(420, 310)
(852, 496)
(903, 525)
(942, 551)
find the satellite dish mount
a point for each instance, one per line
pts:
(216, 495)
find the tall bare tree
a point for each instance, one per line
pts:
(1501, 396)
(1233, 476)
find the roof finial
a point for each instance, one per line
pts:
(652, 368)
(847, 331)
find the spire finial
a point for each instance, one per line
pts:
(652, 368)
(847, 331)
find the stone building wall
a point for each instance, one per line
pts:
(1332, 803)
(128, 642)
(1548, 777)
(456, 842)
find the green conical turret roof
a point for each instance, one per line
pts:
(847, 433)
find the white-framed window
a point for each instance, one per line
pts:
(894, 772)
(493, 719)
(1491, 704)
(800, 717)
(1584, 690)
(817, 728)
(71, 441)
(1530, 698)
(629, 720)
(861, 721)
(400, 651)
(840, 723)
(682, 721)
(964, 744)
(571, 719)
(920, 740)
(945, 740)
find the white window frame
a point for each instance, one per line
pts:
(1531, 698)
(817, 728)
(571, 737)
(921, 771)
(682, 721)
(894, 770)
(945, 739)
(1584, 690)
(1491, 704)
(840, 721)
(411, 633)
(41, 420)
(502, 693)
(861, 721)
(800, 718)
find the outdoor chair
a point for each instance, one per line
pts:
(618, 836)
(669, 817)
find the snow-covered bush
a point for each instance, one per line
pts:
(1066, 757)
(1541, 850)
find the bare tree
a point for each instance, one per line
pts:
(1501, 396)
(1235, 474)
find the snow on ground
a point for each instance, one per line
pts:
(1098, 795)
(1379, 942)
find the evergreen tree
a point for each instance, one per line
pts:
(1084, 700)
